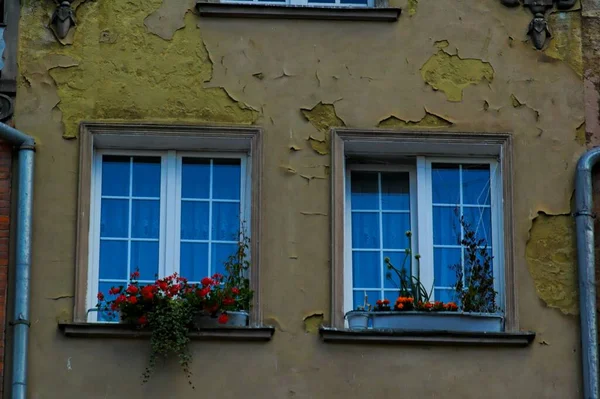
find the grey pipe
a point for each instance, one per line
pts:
(21, 323)
(584, 218)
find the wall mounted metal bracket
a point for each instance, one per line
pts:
(63, 18)
(538, 27)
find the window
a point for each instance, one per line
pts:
(318, 3)
(162, 211)
(389, 183)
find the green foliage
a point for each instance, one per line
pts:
(475, 290)
(238, 267)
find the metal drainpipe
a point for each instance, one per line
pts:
(21, 323)
(584, 218)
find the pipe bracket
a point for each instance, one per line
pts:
(20, 321)
(585, 213)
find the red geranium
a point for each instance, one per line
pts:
(100, 296)
(228, 301)
(203, 292)
(132, 300)
(235, 291)
(223, 318)
(132, 289)
(143, 320)
(206, 281)
(135, 275)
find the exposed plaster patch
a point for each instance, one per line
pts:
(566, 42)
(413, 5)
(518, 104)
(580, 136)
(429, 120)
(313, 322)
(169, 18)
(451, 74)
(551, 257)
(441, 44)
(323, 117)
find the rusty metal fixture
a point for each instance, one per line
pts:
(538, 27)
(63, 18)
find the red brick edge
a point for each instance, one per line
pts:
(5, 186)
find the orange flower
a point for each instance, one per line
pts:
(428, 305)
(451, 306)
(399, 306)
(386, 301)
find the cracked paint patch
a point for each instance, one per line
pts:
(168, 18)
(313, 322)
(451, 74)
(429, 120)
(580, 136)
(551, 257)
(518, 104)
(566, 40)
(323, 117)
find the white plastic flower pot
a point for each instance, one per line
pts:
(358, 320)
(438, 321)
(234, 319)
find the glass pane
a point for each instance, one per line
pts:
(476, 184)
(226, 179)
(113, 259)
(366, 269)
(220, 254)
(446, 226)
(400, 260)
(365, 230)
(365, 190)
(194, 220)
(480, 220)
(115, 175)
(194, 261)
(321, 1)
(144, 257)
(114, 218)
(444, 295)
(395, 191)
(359, 297)
(195, 178)
(226, 221)
(443, 261)
(395, 226)
(445, 183)
(145, 218)
(146, 176)
(357, 2)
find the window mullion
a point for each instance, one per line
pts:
(348, 278)
(425, 223)
(94, 240)
(170, 190)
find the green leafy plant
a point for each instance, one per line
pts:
(475, 288)
(237, 281)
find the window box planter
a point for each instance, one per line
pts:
(438, 321)
(358, 320)
(235, 319)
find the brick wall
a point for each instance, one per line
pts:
(5, 186)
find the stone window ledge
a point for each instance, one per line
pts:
(508, 339)
(236, 10)
(114, 330)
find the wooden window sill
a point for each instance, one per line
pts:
(509, 339)
(237, 10)
(114, 330)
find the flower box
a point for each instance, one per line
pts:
(358, 320)
(235, 319)
(438, 321)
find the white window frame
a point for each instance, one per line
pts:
(305, 3)
(170, 209)
(421, 205)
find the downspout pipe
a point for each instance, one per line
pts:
(584, 218)
(26, 146)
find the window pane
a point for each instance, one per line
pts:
(107, 316)
(114, 218)
(444, 295)
(443, 260)
(145, 218)
(366, 269)
(445, 183)
(195, 178)
(226, 179)
(113, 259)
(446, 226)
(194, 261)
(357, 2)
(321, 1)
(226, 221)
(395, 191)
(476, 184)
(365, 230)
(220, 254)
(359, 297)
(144, 257)
(364, 187)
(480, 220)
(400, 260)
(395, 226)
(146, 176)
(115, 175)
(194, 220)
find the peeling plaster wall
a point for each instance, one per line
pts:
(153, 60)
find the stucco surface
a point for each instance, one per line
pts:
(144, 60)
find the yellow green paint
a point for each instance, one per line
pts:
(566, 40)
(134, 75)
(580, 135)
(429, 120)
(551, 257)
(323, 117)
(451, 74)
(412, 7)
(313, 322)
